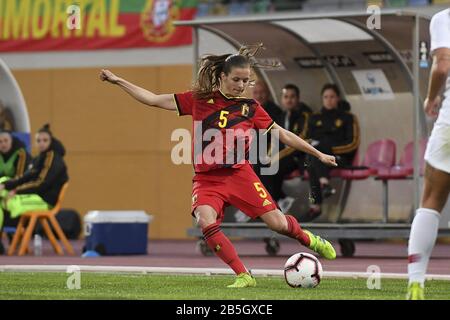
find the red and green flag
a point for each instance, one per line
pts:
(48, 25)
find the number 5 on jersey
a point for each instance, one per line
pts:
(223, 119)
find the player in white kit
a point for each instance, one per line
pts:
(437, 170)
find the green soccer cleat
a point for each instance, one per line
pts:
(415, 291)
(243, 280)
(321, 246)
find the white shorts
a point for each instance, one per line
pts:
(437, 153)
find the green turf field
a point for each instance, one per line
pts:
(169, 287)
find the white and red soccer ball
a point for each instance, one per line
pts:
(303, 270)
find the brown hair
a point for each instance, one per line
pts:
(291, 86)
(211, 66)
(45, 128)
(331, 86)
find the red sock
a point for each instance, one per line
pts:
(223, 247)
(296, 232)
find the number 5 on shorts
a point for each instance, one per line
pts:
(260, 189)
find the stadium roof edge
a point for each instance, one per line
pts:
(421, 12)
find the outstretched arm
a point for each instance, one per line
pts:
(163, 101)
(294, 141)
(438, 76)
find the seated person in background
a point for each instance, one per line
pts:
(294, 95)
(40, 185)
(14, 158)
(262, 95)
(295, 119)
(6, 118)
(335, 132)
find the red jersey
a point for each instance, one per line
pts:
(230, 119)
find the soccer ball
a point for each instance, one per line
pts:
(303, 270)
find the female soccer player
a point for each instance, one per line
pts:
(14, 158)
(216, 102)
(38, 188)
(425, 225)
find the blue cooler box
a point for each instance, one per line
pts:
(116, 232)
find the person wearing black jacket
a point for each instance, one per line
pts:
(333, 131)
(14, 158)
(261, 93)
(40, 185)
(295, 119)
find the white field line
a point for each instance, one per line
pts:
(197, 271)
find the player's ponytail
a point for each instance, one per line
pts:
(211, 66)
(208, 78)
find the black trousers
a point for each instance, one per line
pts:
(316, 170)
(8, 221)
(274, 183)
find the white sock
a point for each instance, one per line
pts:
(421, 242)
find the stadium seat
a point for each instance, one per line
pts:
(405, 167)
(403, 170)
(379, 156)
(294, 174)
(334, 173)
(418, 2)
(23, 234)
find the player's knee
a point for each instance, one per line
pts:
(204, 222)
(436, 204)
(204, 219)
(278, 225)
(434, 199)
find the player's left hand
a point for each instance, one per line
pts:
(431, 107)
(328, 160)
(106, 75)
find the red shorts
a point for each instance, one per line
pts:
(239, 187)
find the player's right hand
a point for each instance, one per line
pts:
(328, 160)
(106, 75)
(431, 107)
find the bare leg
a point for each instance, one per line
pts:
(286, 225)
(424, 228)
(436, 189)
(205, 216)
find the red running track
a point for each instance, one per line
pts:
(390, 257)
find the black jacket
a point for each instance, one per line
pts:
(46, 176)
(335, 130)
(297, 123)
(303, 107)
(21, 163)
(272, 110)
